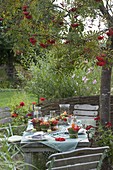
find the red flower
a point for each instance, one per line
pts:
(76, 128)
(29, 115)
(26, 13)
(75, 16)
(108, 125)
(1, 19)
(89, 127)
(43, 45)
(65, 119)
(33, 103)
(97, 118)
(73, 9)
(54, 122)
(32, 40)
(51, 41)
(100, 59)
(24, 8)
(42, 99)
(28, 16)
(14, 115)
(102, 63)
(100, 37)
(110, 32)
(75, 25)
(60, 139)
(22, 104)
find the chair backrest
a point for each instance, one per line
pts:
(86, 113)
(79, 159)
(5, 115)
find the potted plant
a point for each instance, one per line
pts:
(36, 123)
(44, 125)
(53, 122)
(73, 131)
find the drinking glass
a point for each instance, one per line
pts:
(52, 113)
(64, 108)
(37, 112)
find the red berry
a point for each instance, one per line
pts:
(75, 25)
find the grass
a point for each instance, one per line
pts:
(7, 96)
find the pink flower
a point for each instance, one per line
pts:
(94, 81)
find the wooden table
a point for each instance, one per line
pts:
(36, 153)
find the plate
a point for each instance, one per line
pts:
(36, 138)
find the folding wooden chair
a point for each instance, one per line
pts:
(79, 159)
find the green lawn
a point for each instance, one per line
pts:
(8, 96)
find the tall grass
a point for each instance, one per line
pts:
(9, 97)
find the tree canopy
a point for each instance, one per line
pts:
(59, 29)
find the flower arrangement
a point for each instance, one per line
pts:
(36, 123)
(53, 122)
(44, 125)
(63, 118)
(73, 131)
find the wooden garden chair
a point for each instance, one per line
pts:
(87, 113)
(6, 131)
(79, 159)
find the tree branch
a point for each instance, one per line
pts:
(106, 14)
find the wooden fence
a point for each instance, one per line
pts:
(54, 105)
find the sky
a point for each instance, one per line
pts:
(96, 25)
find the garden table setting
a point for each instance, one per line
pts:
(45, 138)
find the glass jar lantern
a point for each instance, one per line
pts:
(64, 108)
(37, 112)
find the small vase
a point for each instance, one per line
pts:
(73, 135)
(44, 129)
(37, 126)
(53, 128)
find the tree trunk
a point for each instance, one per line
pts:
(105, 95)
(10, 66)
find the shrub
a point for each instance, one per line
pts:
(48, 82)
